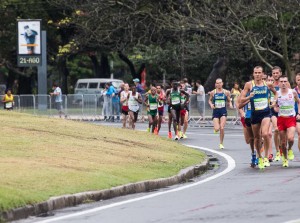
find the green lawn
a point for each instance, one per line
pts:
(42, 157)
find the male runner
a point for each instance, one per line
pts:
(245, 113)
(286, 118)
(217, 102)
(134, 99)
(175, 105)
(258, 91)
(124, 102)
(184, 112)
(161, 102)
(151, 101)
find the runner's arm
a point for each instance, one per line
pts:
(298, 103)
(210, 100)
(187, 96)
(245, 98)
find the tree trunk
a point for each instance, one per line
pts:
(105, 67)
(218, 71)
(130, 64)
(96, 65)
(63, 73)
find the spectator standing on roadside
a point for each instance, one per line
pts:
(200, 92)
(235, 92)
(107, 94)
(141, 91)
(8, 100)
(115, 105)
(58, 99)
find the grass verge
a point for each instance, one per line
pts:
(42, 157)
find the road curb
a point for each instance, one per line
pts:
(70, 200)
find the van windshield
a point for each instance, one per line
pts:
(82, 85)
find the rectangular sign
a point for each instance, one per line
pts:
(29, 43)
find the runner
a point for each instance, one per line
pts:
(134, 99)
(151, 101)
(276, 74)
(124, 101)
(184, 112)
(286, 118)
(245, 113)
(8, 100)
(217, 102)
(174, 99)
(161, 102)
(258, 91)
(297, 89)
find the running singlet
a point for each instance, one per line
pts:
(260, 100)
(219, 100)
(296, 104)
(175, 99)
(286, 104)
(133, 104)
(161, 103)
(8, 101)
(152, 100)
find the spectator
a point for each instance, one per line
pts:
(8, 100)
(235, 92)
(58, 99)
(200, 98)
(107, 93)
(116, 105)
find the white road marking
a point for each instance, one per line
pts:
(230, 167)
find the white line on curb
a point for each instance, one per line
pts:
(230, 167)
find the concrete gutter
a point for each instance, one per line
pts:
(70, 200)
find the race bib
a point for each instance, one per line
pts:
(175, 100)
(260, 103)
(286, 110)
(153, 106)
(219, 103)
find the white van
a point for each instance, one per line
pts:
(94, 85)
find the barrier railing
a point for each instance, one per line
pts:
(90, 107)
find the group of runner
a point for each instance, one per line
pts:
(267, 104)
(176, 98)
(269, 108)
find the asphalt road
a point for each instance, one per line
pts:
(233, 192)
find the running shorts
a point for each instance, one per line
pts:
(257, 117)
(284, 123)
(219, 112)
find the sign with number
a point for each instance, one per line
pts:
(29, 43)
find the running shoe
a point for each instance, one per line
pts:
(278, 156)
(271, 158)
(215, 132)
(285, 163)
(291, 154)
(180, 134)
(156, 131)
(266, 162)
(170, 135)
(176, 137)
(148, 129)
(261, 164)
(221, 146)
(253, 160)
(184, 136)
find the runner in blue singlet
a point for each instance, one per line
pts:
(217, 100)
(260, 118)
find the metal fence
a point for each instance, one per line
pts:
(90, 107)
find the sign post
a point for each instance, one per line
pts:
(32, 52)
